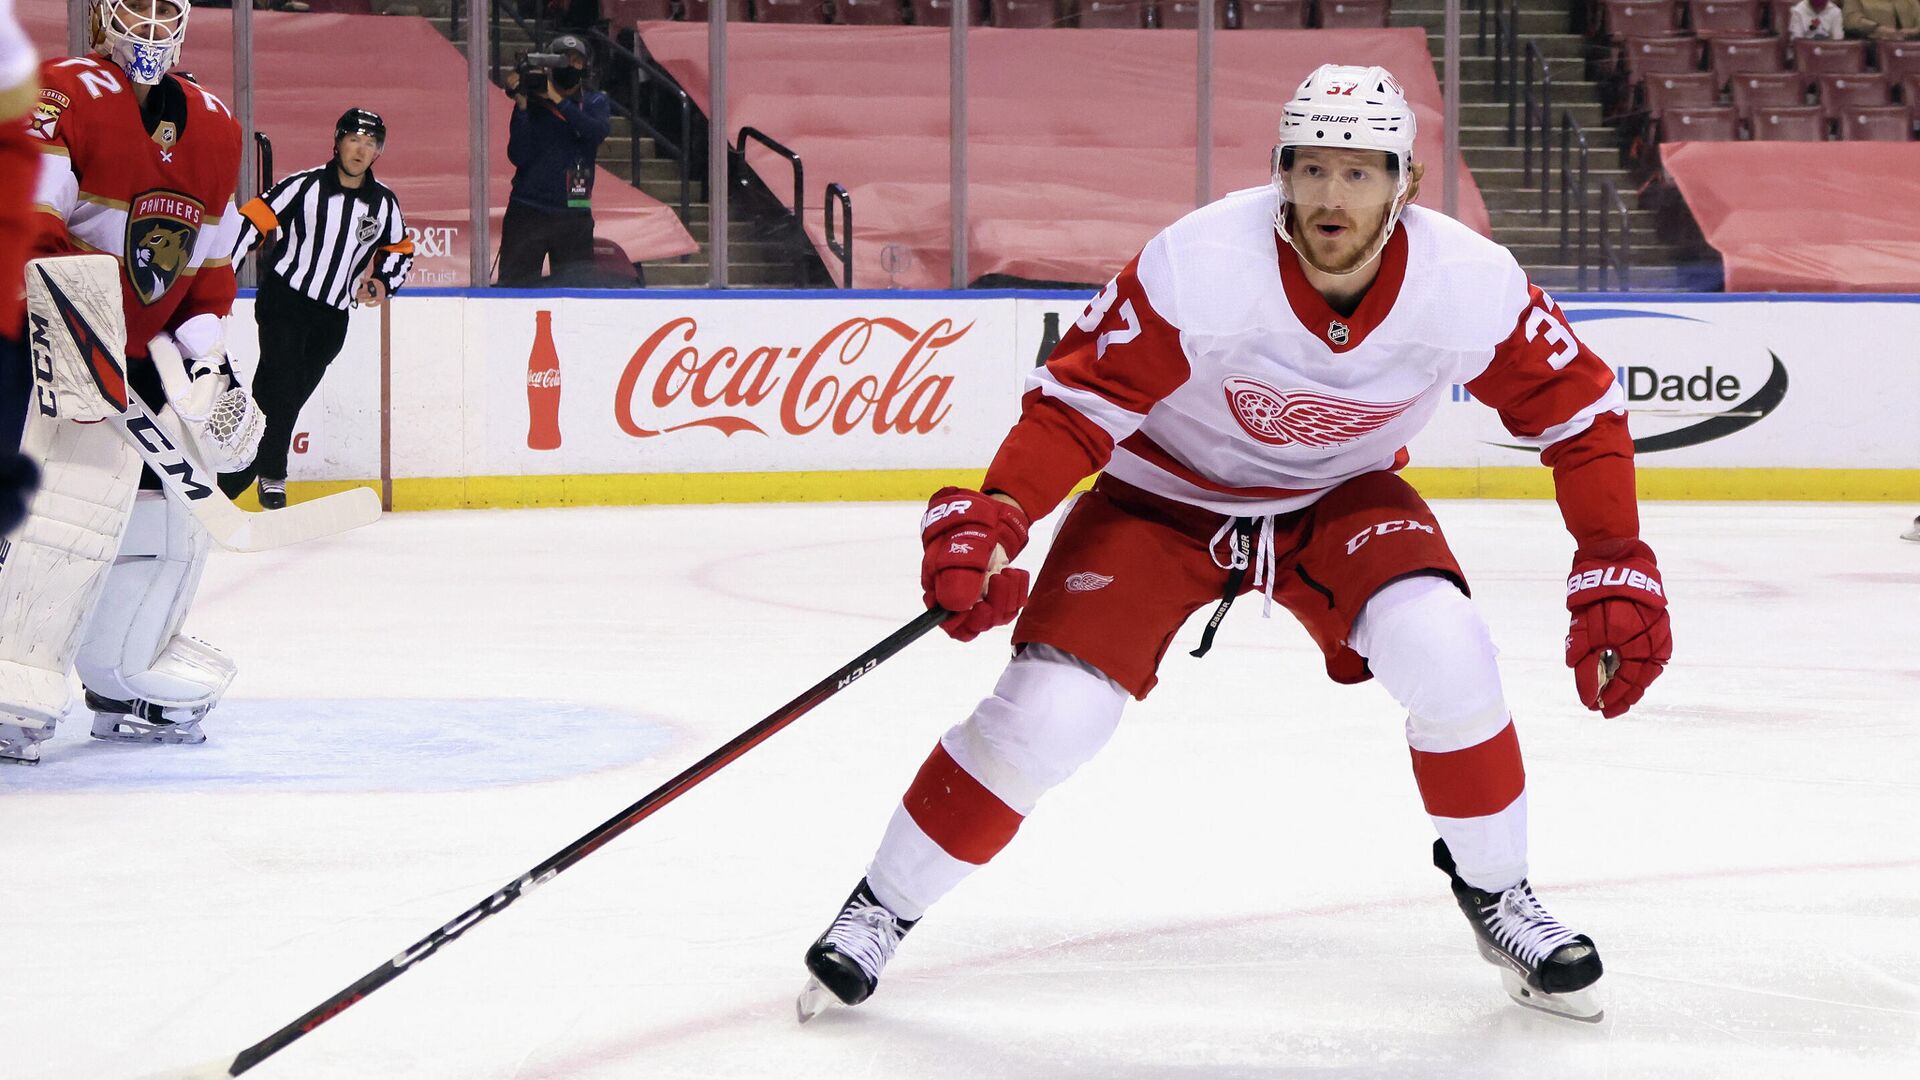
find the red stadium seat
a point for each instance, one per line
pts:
(1273, 14)
(1642, 18)
(1794, 123)
(1830, 57)
(1662, 56)
(1779, 15)
(1745, 56)
(869, 12)
(1185, 14)
(1877, 123)
(627, 13)
(1718, 124)
(1781, 90)
(1352, 14)
(1026, 14)
(1692, 90)
(696, 10)
(1841, 92)
(1910, 92)
(1113, 14)
(1724, 18)
(789, 11)
(1899, 59)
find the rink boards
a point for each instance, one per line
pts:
(781, 396)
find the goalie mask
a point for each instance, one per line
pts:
(1344, 161)
(142, 36)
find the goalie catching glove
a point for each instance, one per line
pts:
(203, 392)
(1619, 606)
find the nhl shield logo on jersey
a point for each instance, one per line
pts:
(1337, 332)
(161, 229)
(367, 230)
(1305, 417)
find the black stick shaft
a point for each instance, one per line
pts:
(588, 844)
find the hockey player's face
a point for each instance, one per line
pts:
(1340, 200)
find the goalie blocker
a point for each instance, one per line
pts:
(100, 576)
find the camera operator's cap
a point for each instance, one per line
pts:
(571, 43)
(357, 121)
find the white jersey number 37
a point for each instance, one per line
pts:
(1096, 313)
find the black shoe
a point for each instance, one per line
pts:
(273, 494)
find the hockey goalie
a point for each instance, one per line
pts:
(134, 221)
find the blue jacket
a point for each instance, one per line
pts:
(548, 141)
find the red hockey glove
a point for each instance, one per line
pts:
(962, 531)
(1619, 606)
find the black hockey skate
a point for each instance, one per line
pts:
(273, 494)
(145, 722)
(845, 963)
(1543, 965)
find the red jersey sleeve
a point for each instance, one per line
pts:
(1120, 357)
(1551, 391)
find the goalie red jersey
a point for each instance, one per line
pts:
(152, 187)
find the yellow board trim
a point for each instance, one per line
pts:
(649, 489)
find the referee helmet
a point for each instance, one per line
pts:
(357, 121)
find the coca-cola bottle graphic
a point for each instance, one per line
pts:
(543, 387)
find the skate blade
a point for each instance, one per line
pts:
(122, 733)
(1581, 1005)
(813, 1001)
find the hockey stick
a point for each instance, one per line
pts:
(159, 441)
(572, 853)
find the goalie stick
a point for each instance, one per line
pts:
(160, 441)
(586, 845)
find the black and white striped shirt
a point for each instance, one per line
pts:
(328, 234)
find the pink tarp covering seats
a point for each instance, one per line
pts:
(1080, 148)
(1806, 217)
(309, 67)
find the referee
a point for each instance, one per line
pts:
(340, 241)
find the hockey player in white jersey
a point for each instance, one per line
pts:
(1246, 388)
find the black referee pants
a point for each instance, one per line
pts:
(529, 236)
(299, 337)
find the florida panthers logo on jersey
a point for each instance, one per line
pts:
(1305, 417)
(161, 229)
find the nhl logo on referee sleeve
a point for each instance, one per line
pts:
(1337, 332)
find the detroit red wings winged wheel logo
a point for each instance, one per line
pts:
(1305, 417)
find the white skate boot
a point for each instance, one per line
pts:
(846, 961)
(1543, 965)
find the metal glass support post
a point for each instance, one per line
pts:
(479, 100)
(77, 43)
(1203, 107)
(718, 153)
(243, 113)
(957, 141)
(1450, 179)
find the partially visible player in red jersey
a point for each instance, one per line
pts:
(1246, 389)
(140, 164)
(19, 164)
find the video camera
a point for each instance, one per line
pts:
(533, 68)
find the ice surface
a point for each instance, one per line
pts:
(1237, 887)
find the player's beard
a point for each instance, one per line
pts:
(1339, 256)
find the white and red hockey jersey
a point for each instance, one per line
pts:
(160, 201)
(1212, 373)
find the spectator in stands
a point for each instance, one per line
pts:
(559, 122)
(1816, 19)
(1883, 20)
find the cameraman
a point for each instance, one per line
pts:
(558, 125)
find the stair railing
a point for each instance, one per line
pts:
(838, 194)
(1618, 259)
(1573, 187)
(799, 189)
(265, 147)
(643, 72)
(1538, 120)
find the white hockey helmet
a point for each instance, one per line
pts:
(1349, 108)
(142, 36)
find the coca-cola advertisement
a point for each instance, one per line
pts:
(725, 386)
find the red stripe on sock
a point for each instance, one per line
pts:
(969, 822)
(1472, 782)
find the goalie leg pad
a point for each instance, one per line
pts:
(53, 569)
(134, 652)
